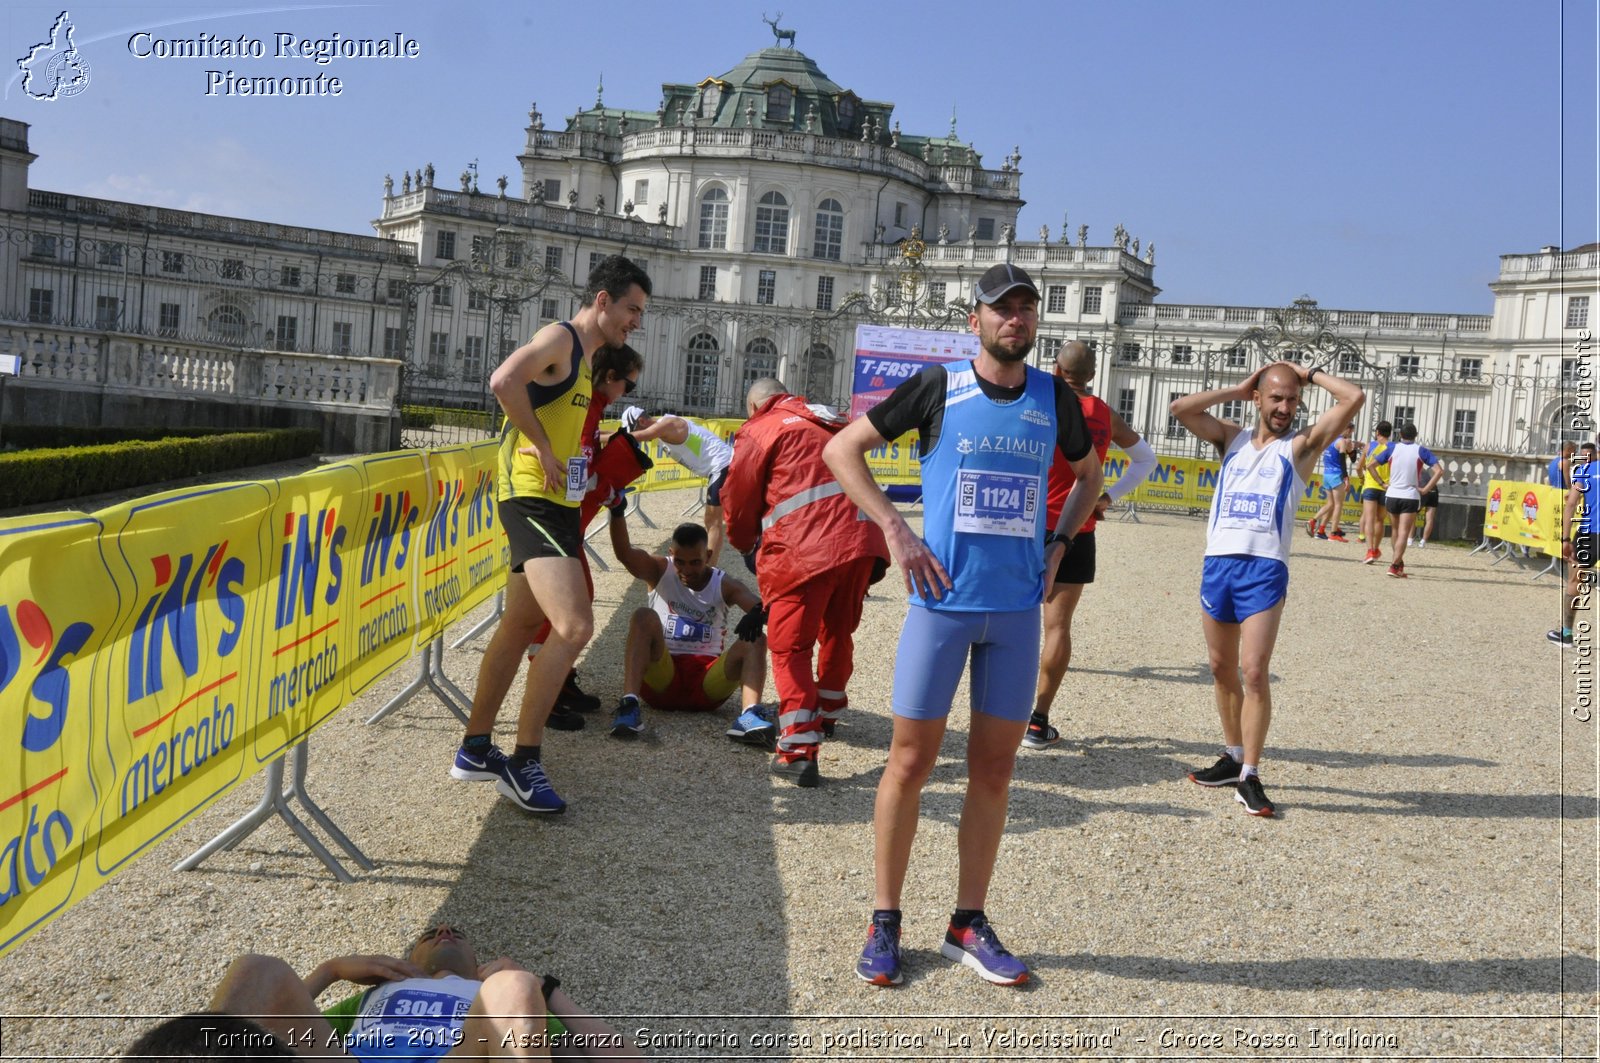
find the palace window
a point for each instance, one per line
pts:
(396, 290)
(708, 282)
(700, 371)
(1403, 415)
(287, 332)
(227, 324)
(986, 228)
(442, 295)
(824, 293)
(444, 244)
(1174, 426)
(1091, 300)
(772, 224)
(167, 322)
(641, 193)
(111, 255)
(41, 304)
(1409, 365)
(477, 300)
(766, 287)
(780, 103)
(760, 361)
(1463, 429)
(472, 362)
(1470, 369)
(1055, 299)
(394, 343)
(345, 283)
(1578, 311)
(1126, 397)
(289, 277)
(552, 259)
(819, 373)
(549, 310)
(1129, 353)
(1183, 354)
(1236, 358)
(343, 337)
(714, 219)
(172, 262)
(828, 240)
(107, 311)
(438, 353)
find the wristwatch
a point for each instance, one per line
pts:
(1057, 537)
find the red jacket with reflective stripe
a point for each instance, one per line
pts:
(778, 466)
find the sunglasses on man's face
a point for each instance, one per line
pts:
(433, 932)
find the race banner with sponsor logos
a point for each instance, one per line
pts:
(1526, 514)
(157, 653)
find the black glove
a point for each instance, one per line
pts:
(750, 625)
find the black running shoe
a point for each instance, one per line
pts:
(1225, 772)
(802, 770)
(1561, 636)
(563, 719)
(1250, 794)
(1040, 735)
(573, 699)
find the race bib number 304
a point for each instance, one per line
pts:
(997, 503)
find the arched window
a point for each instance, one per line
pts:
(772, 224)
(780, 103)
(227, 324)
(714, 219)
(700, 372)
(760, 360)
(1568, 424)
(819, 374)
(710, 98)
(829, 239)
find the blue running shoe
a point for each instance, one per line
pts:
(489, 766)
(629, 720)
(754, 727)
(527, 787)
(880, 960)
(979, 948)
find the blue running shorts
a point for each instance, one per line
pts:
(933, 652)
(1236, 586)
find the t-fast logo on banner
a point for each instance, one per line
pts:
(390, 531)
(887, 357)
(314, 522)
(485, 553)
(57, 602)
(180, 678)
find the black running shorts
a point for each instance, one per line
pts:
(538, 527)
(1078, 566)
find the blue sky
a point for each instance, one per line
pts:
(1371, 155)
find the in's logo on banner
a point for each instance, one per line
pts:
(1530, 507)
(1494, 503)
(54, 68)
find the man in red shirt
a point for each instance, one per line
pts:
(815, 561)
(1075, 365)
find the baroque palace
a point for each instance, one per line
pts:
(775, 211)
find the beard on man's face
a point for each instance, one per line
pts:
(1001, 353)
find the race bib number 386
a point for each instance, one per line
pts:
(997, 503)
(1246, 507)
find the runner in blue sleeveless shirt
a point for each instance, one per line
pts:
(1245, 578)
(989, 430)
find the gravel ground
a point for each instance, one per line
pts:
(1428, 889)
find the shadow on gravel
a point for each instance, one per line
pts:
(635, 896)
(1520, 975)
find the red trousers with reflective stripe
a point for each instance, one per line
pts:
(823, 613)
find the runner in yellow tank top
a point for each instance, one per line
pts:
(545, 387)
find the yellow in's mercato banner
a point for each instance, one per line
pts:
(390, 527)
(313, 559)
(485, 554)
(58, 605)
(441, 575)
(176, 707)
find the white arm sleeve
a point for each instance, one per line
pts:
(1141, 463)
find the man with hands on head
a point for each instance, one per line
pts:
(1245, 578)
(988, 429)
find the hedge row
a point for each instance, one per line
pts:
(29, 436)
(31, 477)
(423, 417)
